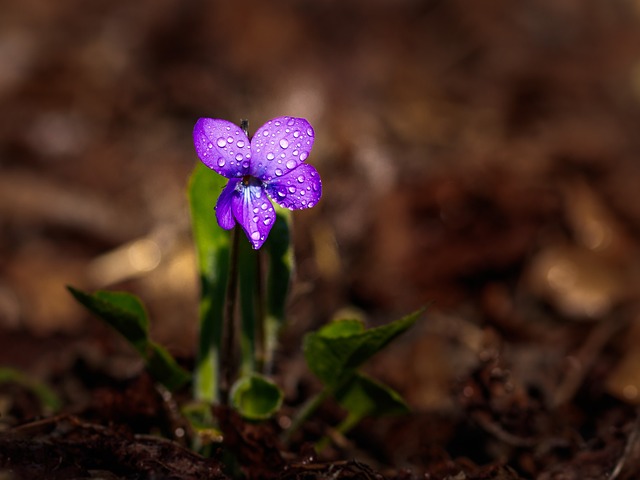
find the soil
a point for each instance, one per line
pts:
(481, 159)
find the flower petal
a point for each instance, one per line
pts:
(222, 146)
(224, 212)
(279, 146)
(298, 189)
(254, 212)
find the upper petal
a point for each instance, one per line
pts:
(222, 146)
(254, 212)
(224, 210)
(298, 189)
(279, 146)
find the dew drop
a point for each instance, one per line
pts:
(277, 124)
(240, 144)
(291, 164)
(255, 219)
(296, 134)
(239, 156)
(291, 122)
(256, 210)
(229, 139)
(263, 206)
(302, 192)
(295, 153)
(267, 221)
(300, 178)
(270, 156)
(304, 202)
(255, 236)
(221, 162)
(278, 172)
(284, 143)
(310, 204)
(210, 145)
(292, 189)
(310, 132)
(281, 193)
(303, 156)
(221, 142)
(265, 133)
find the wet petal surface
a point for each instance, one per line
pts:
(279, 146)
(224, 211)
(298, 189)
(222, 146)
(254, 212)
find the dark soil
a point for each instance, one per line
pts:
(477, 157)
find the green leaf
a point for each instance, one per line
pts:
(46, 396)
(334, 352)
(212, 249)
(256, 397)
(125, 313)
(362, 396)
(281, 264)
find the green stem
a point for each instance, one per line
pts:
(305, 412)
(260, 341)
(227, 349)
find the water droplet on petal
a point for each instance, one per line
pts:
(303, 156)
(239, 156)
(255, 219)
(291, 122)
(310, 204)
(292, 189)
(255, 236)
(229, 139)
(221, 142)
(221, 162)
(270, 156)
(310, 132)
(278, 172)
(265, 133)
(210, 145)
(291, 164)
(240, 144)
(281, 193)
(255, 210)
(284, 143)
(263, 206)
(300, 178)
(267, 221)
(295, 153)
(302, 192)
(296, 134)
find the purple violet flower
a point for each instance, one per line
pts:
(270, 165)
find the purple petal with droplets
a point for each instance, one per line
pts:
(255, 214)
(222, 146)
(224, 212)
(298, 189)
(279, 146)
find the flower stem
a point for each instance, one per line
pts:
(305, 412)
(260, 339)
(227, 349)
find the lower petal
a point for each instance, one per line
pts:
(224, 212)
(254, 212)
(300, 188)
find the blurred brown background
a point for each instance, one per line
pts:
(483, 156)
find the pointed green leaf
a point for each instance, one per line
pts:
(256, 397)
(335, 351)
(212, 249)
(122, 311)
(362, 396)
(125, 313)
